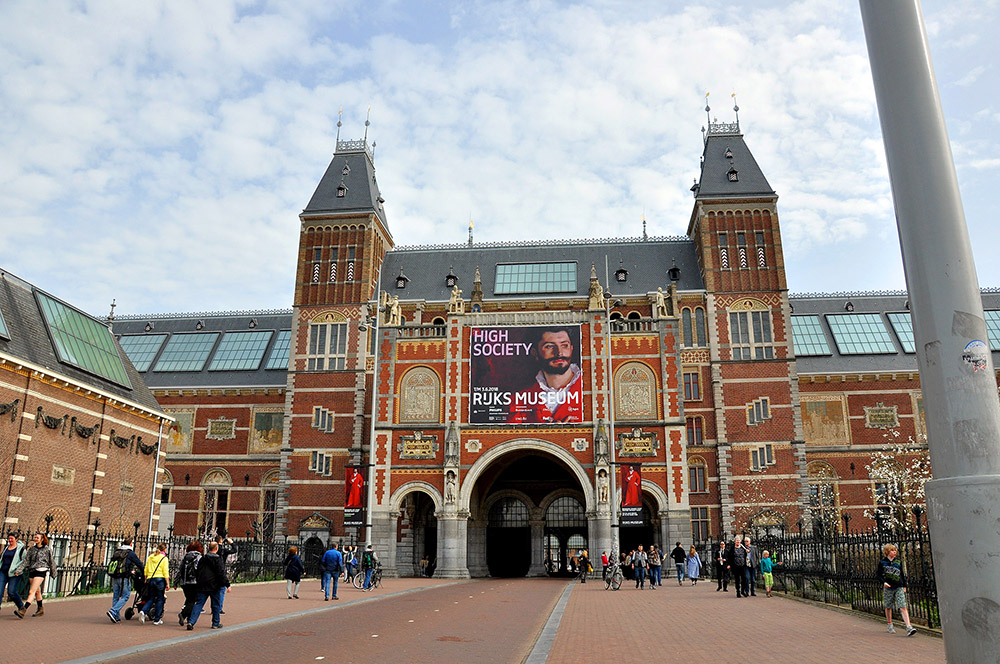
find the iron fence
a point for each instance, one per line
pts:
(81, 558)
(839, 568)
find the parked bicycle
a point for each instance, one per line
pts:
(359, 578)
(614, 577)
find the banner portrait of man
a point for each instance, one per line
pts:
(525, 375)
(355, 483)
(631, 486)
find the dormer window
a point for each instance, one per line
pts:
(729, 153)
(401, 279)
(733, 175)
(341, 190)
(621, 275)
(347, 169)
(451, 280)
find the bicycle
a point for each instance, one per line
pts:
(359, 578)
(614, 577)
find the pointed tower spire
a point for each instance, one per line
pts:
(644, 236)
(367, 122)
(708, 111)
(340, 113)
(470, 232)
(477, 291)
(736, 109)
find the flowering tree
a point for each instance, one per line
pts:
(898, 471)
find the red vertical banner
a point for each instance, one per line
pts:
(354, 496)
(631, 508)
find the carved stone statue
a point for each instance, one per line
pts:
(456, 305)
(450, 487)
(395, 312)
(602, 486)
(660, 308)
(596, 293)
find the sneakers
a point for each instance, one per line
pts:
(219, 626)
(221, 613)
(326, 599)
(180, 619)
(190, 627)
(335, 597)
(910, 631)
(891, 630)
(115, 619)
(158, 622)
(295, 596)
(142, 617)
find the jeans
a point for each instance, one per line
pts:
(11, 583)
(350, 570)
(190, 597)
(640, 577)
(655, 575)
(153, 607)
(751, 580)
(368, 578)
(199, 604)
(680, 572)
(327, 578)
(121, 590)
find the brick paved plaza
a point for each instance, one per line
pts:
(487, 620)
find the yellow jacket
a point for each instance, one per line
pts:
(157, 566)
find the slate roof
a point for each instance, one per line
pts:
(29, 342)
(171, 324)
(715, 166)
(361, 194)
(879, 303)
(647, 262)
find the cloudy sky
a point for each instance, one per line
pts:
(159, 153)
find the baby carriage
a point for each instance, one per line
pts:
(141, 589)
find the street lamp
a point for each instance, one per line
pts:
(917, 511)
(135, 525)
(847, 522)
(48, 523)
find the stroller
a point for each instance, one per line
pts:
(141, 589)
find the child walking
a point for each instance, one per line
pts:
(766, 567)
(890, 573)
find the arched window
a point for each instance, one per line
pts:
(327, 349)
(697, 472)
(750, 331)
(268, 504)
(823, 493)
(565, 512)
(419, 396)
(167, 486)
(214, 502)
(701, 339)
(635, 392)
(686, 327)
(508, 513)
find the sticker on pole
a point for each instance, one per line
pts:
(976, 354)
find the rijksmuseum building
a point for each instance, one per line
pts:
(491, 405)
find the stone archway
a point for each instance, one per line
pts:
(417, 505)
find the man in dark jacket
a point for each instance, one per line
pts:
(739, 568)
(332, 565)
(721, 566)
(212, 583)
(679, 557)
(226, 549)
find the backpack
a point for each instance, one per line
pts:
(368, 559)
(188, 573)
(117, 566)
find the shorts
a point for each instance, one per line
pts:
(34, 574)
(768, 579)
(893, 598)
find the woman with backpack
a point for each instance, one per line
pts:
(187, 579)
(38, 562)
(294, 569)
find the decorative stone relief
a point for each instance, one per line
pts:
(420, 396)
(221, 429)
(637, 443)
(417, 446)
(579, 444)
(63, 475)
(473, 446)
(881, 416)
(635, 392)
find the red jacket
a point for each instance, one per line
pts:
(537, 405)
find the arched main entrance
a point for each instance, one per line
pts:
(512, 496)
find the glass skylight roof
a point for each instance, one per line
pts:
(278, 359)
(186, 352)
(860, 334)
(902, 323)
(241, 351)
(142, 348)
(526, 278)
(81, 341)
(808, 337)
(993, 328)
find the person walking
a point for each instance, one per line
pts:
(350, 554)
(693, 565)
(187, 579)
(294, 569)
(753, 559)
(120, 567)
(890, 573)
(332, 565)
(639, 562)
(738, 567)
(766, 567)
(12, 556)
(583, 563)
(679, 558)
(157, 576)
(212, 584)
(605, 563)
(38, 562)
(369, 560)
(227, 554)
(721, 567)
(655, 567)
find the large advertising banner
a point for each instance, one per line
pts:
(631, 512)
(354, 497)
(525, 375)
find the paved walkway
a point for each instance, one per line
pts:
(485, 620)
